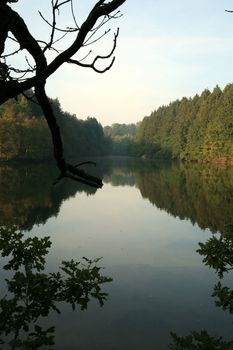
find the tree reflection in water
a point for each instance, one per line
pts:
(32, 293)
(201, 194)
(217, 253)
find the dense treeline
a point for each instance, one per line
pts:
(27, 194)
(24, 133)
(199, 193)
(194, 129)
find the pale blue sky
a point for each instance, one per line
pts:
(166, 49)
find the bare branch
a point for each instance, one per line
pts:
(59, 39)
(73, 15)
(67, 30)
(88, 54)
(11, 53)
(92, 65)
(86, 43)
(99, 10)
(11, 22)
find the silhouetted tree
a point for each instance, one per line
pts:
(32, 293)
(14, 81)
(217, 254)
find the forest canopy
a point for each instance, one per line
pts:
(191, 129)
(24, 134)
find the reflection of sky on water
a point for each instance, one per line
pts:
(160, 284)
(144, 305)
(118, 224)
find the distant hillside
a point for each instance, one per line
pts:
(117, 130)
(194, 129)
(121, 138)
(24, 134)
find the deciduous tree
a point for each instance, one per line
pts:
(15, 81)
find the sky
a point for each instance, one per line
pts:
(166, 49)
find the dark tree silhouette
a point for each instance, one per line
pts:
(33, 294)
(14, 81)
(217, 254)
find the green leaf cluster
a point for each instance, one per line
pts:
(32, 294)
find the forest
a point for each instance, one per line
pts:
(121, 139)
(24, 133)
(191, 129)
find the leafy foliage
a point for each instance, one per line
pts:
(199, 341)
(33, 294)
(224, 297)
(217, 254)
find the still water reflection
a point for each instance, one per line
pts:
(146, 222)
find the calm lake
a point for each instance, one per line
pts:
(145, 223)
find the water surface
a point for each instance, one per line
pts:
(146, 223)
